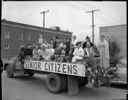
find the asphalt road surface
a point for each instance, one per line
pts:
(34, 88)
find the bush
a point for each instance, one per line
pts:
(114, 49)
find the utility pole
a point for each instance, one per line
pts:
(92, 11)
(44, 12)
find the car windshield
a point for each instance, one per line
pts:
(122, 62)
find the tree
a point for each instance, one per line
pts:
(114, 49)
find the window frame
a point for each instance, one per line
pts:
(29, 37)
(21, 36)
(7, 35)
(6, 46)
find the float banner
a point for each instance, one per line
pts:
(56, 67)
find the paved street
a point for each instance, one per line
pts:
(34, 88)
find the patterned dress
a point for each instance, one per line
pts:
(104, 54)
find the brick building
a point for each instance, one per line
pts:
(14, 34)
(117, 33)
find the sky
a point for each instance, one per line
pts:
(68, 15)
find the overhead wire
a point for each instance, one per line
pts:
(66, 3)
(112, 21)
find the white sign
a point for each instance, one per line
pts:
(62, 68)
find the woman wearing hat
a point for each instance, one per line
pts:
(78, 53)
(88, 50)
(85, 43)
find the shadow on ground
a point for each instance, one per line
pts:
(120, 86)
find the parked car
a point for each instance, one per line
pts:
(122, 72)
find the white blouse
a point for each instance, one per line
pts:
(78, 52)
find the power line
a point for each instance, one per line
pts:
(78, 6)
(110, 20)
(89, 8)
(106, 18)
(103, 18)
(83, 9)
(73, 6)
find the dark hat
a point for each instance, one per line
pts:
(87, 37)
(78, 43)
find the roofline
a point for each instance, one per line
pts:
(114, 25)
(32, 26)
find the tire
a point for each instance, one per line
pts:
(55, 83)
(82, 82)
(9, 71)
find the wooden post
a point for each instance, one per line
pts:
(72, 85)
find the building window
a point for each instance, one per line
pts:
(6, 46)
(29, 37)
(7, 35)
(21, 36)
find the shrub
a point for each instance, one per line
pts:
(114, 49)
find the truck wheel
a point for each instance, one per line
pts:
(54, 83)
(9, 71)
(82, 82)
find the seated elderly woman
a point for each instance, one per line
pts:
(42, 52)
(57, 52)
(88, 50)
(78, 53)
(63, 53)
(35, 52)
(91, 50)
(49, 52)
(91, 54)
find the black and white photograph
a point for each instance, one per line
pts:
(63, 50)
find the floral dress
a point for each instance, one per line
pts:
(104, 54)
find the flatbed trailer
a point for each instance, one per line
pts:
(60, 76)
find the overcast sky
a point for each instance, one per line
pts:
(69, 15)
